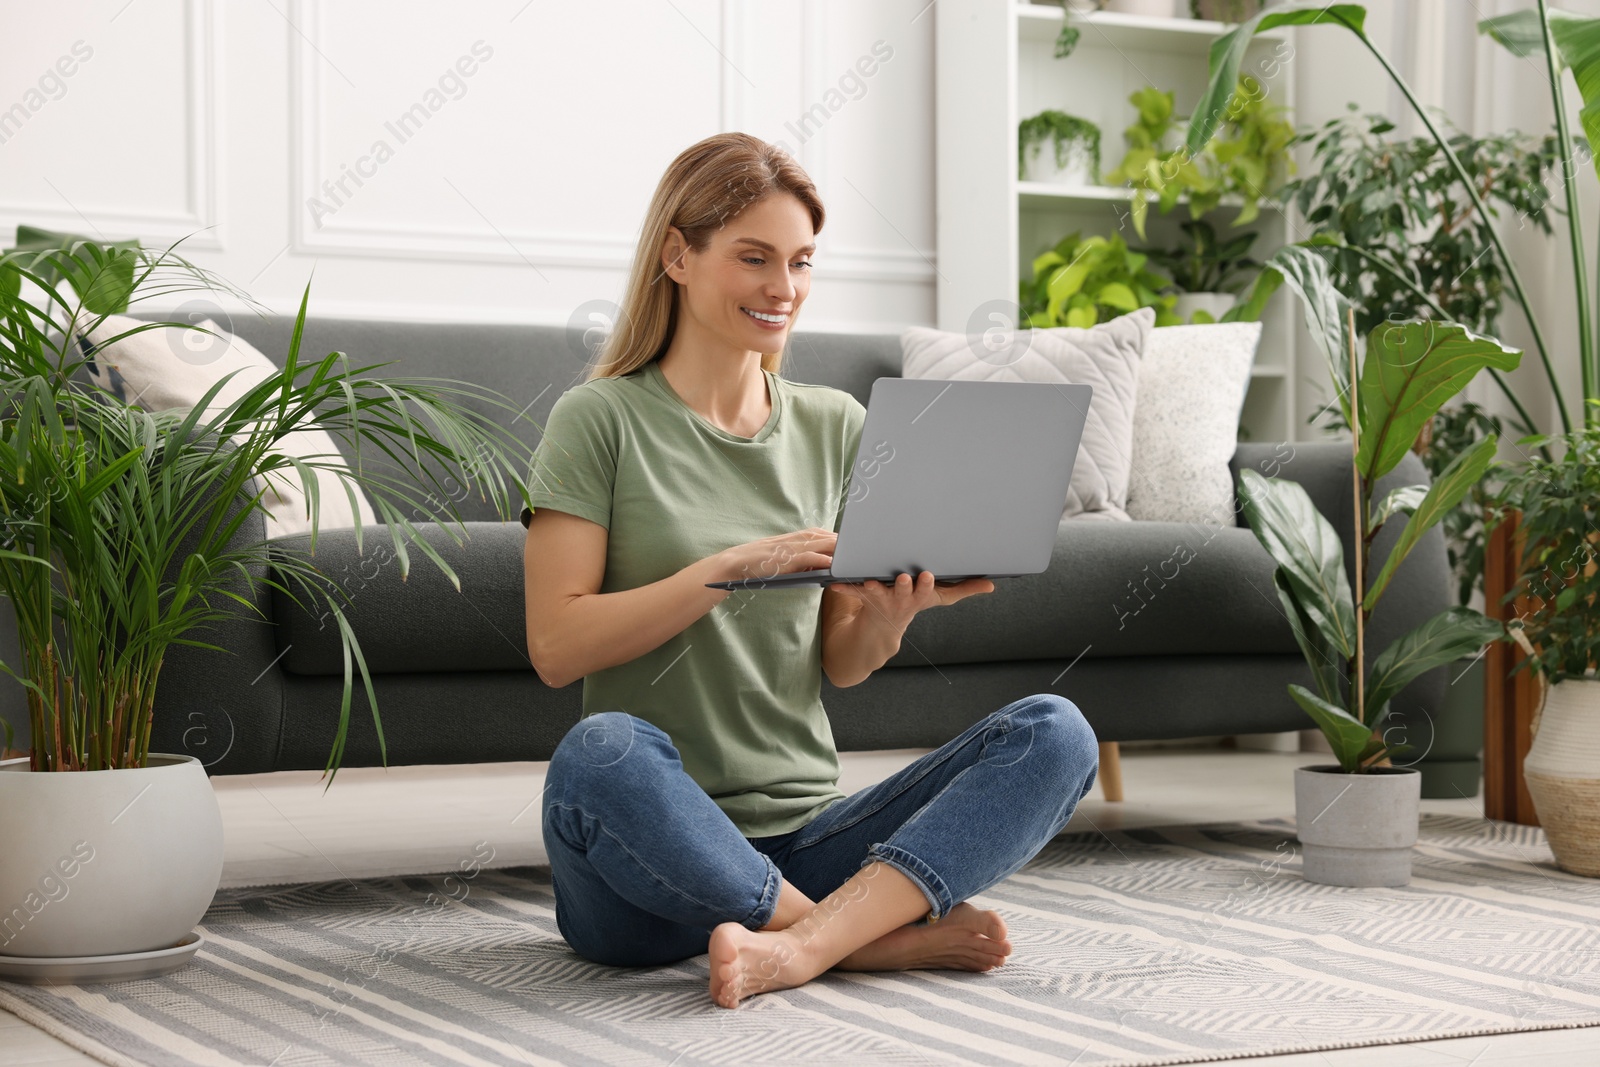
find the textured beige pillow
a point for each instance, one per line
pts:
(1192, 383)
(1106, 357)
(169, 367)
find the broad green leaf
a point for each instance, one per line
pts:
(1227, 55)
(1577, 39)
(1448, 636)
(1448, 490)
(1305, 273)
(1411, 370)
(1304, 544)
(1347, 735)
(1326, 668)
(1117, 295)
(1082, 318)
(1067, 281)
(1401, 501)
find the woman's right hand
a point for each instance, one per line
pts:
(803, 550)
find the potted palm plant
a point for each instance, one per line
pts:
(121, 537)
(1357, 819)
(1558, 625)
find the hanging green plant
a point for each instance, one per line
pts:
(1074, 139)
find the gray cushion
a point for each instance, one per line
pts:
(1115, 589)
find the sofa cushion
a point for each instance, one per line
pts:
(1116, 589)
(1105, 357)
(1192, 383)
(1112, 589)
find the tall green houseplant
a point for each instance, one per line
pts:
(1409, 370)
(98, 495)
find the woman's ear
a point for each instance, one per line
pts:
(673, 249)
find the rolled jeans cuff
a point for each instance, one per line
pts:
(767, 906)
(920, 873)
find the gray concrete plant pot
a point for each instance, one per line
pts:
(1356, 829)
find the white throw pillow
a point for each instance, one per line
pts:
(169, 367)
(1106, 357)
(1192, 382)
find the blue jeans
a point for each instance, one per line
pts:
(644, 864)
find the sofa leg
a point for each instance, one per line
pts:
(1110, 771)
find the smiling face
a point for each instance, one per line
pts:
(746, 288)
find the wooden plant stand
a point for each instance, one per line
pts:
(1509, 700)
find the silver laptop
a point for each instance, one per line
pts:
(963, 479)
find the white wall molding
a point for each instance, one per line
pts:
(201, 216)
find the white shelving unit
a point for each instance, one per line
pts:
(995, 65)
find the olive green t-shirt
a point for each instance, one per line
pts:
(740, 690)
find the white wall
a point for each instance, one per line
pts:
(517, 191)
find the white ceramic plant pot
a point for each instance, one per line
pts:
(1216, 304)
(101, 863)
(1562, 769)
(1039, 165)
(1157, 9)
(1356, 829)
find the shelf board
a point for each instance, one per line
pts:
(1042, 22)
(1049, 194)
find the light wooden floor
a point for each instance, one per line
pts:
(285, 828)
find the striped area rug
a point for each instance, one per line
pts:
(1170, 945)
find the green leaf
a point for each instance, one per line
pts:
(1347, 736)
(1578, 43)
(1227, 54)
(1411, 369)
(1577, 40)
(1325, 666)
(1251, 308)
(1117, 295)
(1520, 32)
(1401, 501)
(1448, 490)
(1304, 544)
(1448, 636)
(1305, 273)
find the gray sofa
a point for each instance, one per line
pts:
(1145, 646)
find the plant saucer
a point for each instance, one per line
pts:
(79, 970)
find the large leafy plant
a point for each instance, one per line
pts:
(1409, 370)
(1562, 40)
(98, 495)
(1085, 280)
(1559, 522)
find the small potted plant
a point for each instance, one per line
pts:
(1155, 9)
(1357, 819)
(121, 536)
(1247, 159)
(1085, 280)
(1206, 271)
(1054, 146)
(1558, 625)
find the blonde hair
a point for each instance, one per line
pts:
(708, 186)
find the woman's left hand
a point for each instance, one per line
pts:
(897, 604)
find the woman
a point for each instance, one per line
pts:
(695, 807)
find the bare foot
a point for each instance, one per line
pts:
(745, 962)
(966, 939)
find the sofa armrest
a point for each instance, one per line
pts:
(1422, 586)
